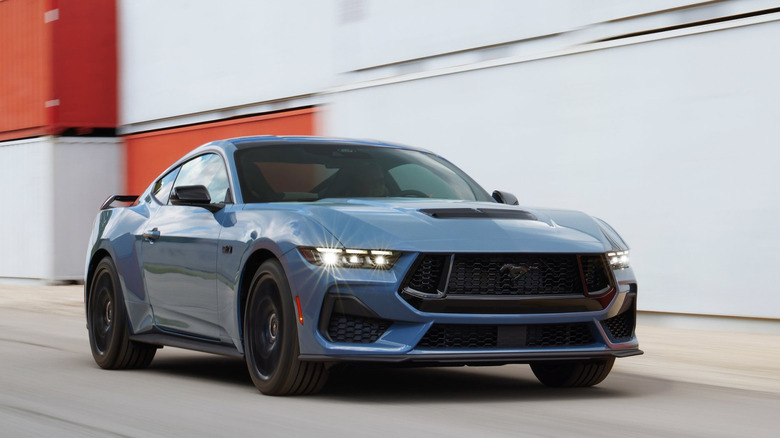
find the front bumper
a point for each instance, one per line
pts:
(381, 326)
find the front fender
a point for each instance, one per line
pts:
(250, 236)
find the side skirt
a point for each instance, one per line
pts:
(189, 343)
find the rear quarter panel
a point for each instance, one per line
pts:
(117, 234)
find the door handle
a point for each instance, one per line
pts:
(152, 234)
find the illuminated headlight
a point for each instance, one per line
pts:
(350, 258)
(618, 259)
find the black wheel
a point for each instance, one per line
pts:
(107, 323)
(271, 338)
(570, 374)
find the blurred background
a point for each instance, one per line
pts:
(659, 117)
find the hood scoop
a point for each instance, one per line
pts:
(477, 213)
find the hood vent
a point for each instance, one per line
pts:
(477, 213)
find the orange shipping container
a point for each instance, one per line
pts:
(58, 67)
(148, 154)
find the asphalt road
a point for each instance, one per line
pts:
(50, 387)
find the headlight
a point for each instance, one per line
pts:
(350, 258)
(618, 259)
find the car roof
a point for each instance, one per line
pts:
(232, 144)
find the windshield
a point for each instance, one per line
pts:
(295, 172)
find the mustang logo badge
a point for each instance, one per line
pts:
(517, 271)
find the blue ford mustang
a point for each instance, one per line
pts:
(298, 253)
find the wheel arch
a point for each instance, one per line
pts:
(99, 255)
(254, 261)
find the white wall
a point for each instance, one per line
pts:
(672, 141)
(191, 61)
(26, 232)
(53, 188)
(377, 32)
(189, 57)
(86, 172)
(182, 57)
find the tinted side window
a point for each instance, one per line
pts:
(163, 186)
(209, 171)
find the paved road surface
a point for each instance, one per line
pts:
(697, 384)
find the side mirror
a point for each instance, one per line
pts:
(505, 198)
(190, 195)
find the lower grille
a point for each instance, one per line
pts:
(458, 336)
(621, 327)
(559, 335)
(356, 329)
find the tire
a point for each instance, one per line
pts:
(109, 337)
(572, 374)
(271, 338)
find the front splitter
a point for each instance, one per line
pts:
(472, 358)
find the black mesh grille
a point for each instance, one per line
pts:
(355, 329)
(456, 336)
(428, 274)
(460, 336)
(515, 274)
(556, 335)
(596, 277)
(621, 327)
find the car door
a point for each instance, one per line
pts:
(179, 252)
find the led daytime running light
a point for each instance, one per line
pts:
(618, 259)
(350, 258)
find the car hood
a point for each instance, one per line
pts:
(442, 225)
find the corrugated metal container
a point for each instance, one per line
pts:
(58, 67)
(57, 185)
(148, 154)
(24, 68)
(26, 228)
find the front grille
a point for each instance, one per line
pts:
(427, 275)
(621, 327)
(459, 336)
(355, 329)
(595, 271)
(515, 274)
